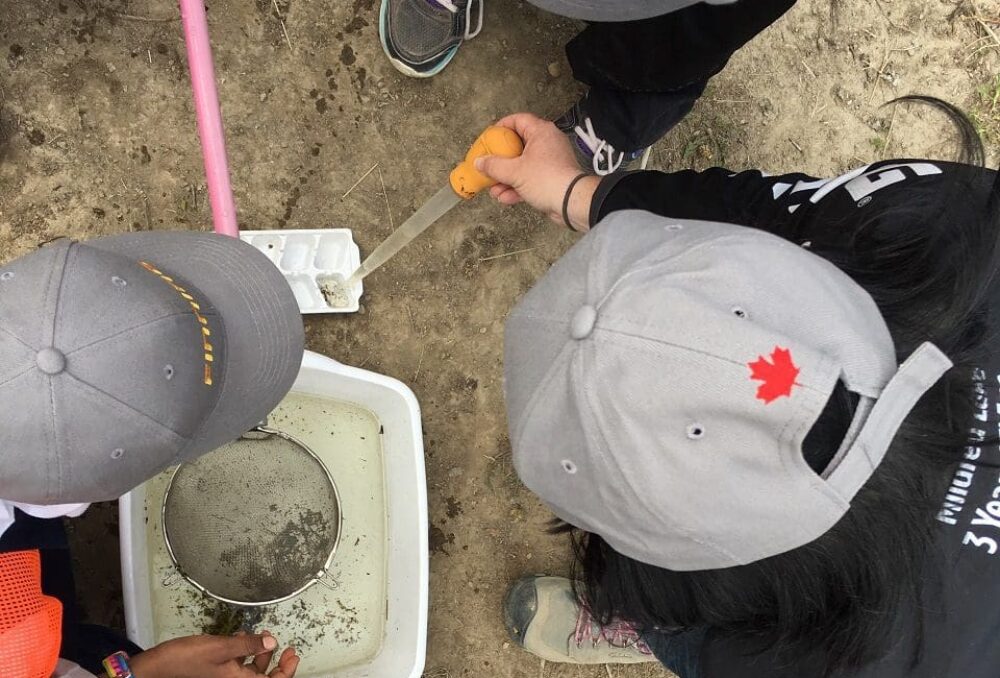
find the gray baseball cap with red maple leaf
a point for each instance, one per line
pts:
(662, 376)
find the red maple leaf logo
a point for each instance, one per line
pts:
(778, 375)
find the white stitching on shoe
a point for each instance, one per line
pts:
(453, 8)
(600, 148)
(468, 20)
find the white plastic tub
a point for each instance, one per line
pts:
(403, 648)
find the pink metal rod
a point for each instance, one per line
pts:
(206, 104)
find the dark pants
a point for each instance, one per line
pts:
(679, 652)
(85, 644)
(644, 76)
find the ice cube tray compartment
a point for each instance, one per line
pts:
(331, 255)
(307, 258)
(295, 254)
(304, 289)
(270, 245)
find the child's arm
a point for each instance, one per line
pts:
(717, 194)
(824, 212)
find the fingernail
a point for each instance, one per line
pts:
(479, 162)
(270, 643)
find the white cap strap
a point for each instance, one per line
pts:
(915, 377)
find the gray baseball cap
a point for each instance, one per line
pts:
(661, 377)
(619, 10)
(123, 355)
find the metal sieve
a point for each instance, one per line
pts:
(255, 522)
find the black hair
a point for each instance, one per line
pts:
(928, 262)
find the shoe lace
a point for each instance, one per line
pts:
(454, 9)
(605, 159)
(616, 633)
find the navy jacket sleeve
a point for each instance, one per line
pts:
(822, 213)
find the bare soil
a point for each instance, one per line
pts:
(97, 136)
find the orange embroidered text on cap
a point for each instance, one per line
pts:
(202, 320)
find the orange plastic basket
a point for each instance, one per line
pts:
(30, 622)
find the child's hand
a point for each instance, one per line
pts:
(542, 173)
(215, 657)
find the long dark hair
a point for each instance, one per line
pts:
(928, 263)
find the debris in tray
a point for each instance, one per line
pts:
(336, 292)
(223, 619)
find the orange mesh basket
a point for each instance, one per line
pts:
(30, 622)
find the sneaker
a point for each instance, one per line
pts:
(420, 37)
(543, 615)
(592, 151)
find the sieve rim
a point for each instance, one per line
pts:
(272, 601)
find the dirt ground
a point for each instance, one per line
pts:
(97, 136)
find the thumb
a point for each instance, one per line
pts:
(503, 170)
(244, 646)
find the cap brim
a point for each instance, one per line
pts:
(602, 10)
(264, 337)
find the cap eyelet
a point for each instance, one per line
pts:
(117, 453)
(695, 431)
(675, 227)
(118, 282)
(739, 311)
(9, 275)
(568, 466)
(168, 372)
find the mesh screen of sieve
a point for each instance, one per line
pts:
(253, 522)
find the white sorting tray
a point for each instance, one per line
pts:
(308, 258)
(394, 405)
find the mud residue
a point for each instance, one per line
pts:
(336, 293)
(278, 565)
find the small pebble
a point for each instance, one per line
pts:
(482, 330)
(555, 70)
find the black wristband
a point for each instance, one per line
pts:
(569, 192)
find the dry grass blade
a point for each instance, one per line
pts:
(281, 21)
(509, 254)
(147, 19)
(979, 18)
(355, 185)
(385, 195)
(420, 363)
(888, 134)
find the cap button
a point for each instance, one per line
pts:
(583, 322)
(50, 361)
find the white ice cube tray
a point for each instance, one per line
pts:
(307, 258)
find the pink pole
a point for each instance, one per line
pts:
(206, 104)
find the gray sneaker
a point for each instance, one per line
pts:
(420, 37)
(543, 616)
(592, 152)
